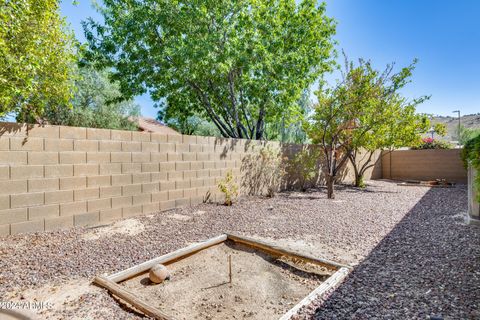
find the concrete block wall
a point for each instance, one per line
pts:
(56, 177)
(424, 165)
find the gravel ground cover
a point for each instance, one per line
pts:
(413, 256)
(427, 267)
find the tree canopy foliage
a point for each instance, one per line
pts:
(463, 135)
(440, 129)
(289, 128)
(241, 64)
(36, 58)
(190, 125)
(471, 156)
(97, 103)
(364, 111)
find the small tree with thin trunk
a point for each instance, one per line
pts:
(336, 119)
(391, 119)
(365, 111)
(400, 126)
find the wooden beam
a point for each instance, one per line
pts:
(330, 283)
(111, 282)
(120, 292)
(275, 250)
(143, 267)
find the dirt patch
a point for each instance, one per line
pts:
(310, 247)
(130, 227)
(50, 297)
(262, 287)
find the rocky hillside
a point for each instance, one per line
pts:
(468, 121)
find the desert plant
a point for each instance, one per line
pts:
(305, 165)
(229, 188)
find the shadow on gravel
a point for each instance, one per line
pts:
(427, 267)
(338, 187)
(370, 188)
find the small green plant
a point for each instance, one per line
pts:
(229, 188)
(361, 183)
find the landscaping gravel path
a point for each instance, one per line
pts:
(414, 257)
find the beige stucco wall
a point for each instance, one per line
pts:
(57, 177)
(424, 165)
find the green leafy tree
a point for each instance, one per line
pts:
(466, 134)
(397, 125)
(363, 112)
(393, 124)
(386, 120)
(241, 64)
(334, 120)
(290, 128)
(471, 156)
(97, 103)
(36, 58)
(189, 124)
(440, 129)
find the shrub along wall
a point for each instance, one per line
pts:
(56, 177)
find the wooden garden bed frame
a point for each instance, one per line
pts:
(426, 183)
(111, 282)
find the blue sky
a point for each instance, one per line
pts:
(443, 34)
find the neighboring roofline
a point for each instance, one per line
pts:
(151, 125)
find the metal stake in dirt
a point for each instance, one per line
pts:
(230, 268)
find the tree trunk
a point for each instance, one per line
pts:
(357, 174)
(260, 125)
(330, 182)
(359, 180)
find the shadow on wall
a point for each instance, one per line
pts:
(304, 167)
(11, 128)
(268, 167)
(261, 167)
(426, 266)
(227, 145)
